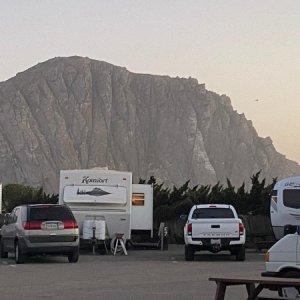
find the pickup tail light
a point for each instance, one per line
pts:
(241, 228)
(189, 229)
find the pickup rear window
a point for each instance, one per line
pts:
(213, 212)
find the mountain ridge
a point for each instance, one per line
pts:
(75, 112)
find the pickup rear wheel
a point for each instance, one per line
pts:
(189, 253)
(240, 254)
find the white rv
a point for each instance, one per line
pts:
(99, 194)
(285, 205)
(107, 195)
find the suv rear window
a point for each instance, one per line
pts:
(50, 213)
(210, 213)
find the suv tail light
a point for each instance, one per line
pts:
(70, 224)
(189, 229)
(241, 228)
(32, 225)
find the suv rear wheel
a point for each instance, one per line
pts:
(3, 254)
(19, 256)
(74, 256)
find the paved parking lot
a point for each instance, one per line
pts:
(143, 274)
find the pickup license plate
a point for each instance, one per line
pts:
(215, 241)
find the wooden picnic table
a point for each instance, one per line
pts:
(254, 285)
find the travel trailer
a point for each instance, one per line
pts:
(108, 201)
(285, 205)
(142, 209)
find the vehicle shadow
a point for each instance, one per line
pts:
(37, 259)
(214, 257)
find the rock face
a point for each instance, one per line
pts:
(70, 113)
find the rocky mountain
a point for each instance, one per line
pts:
(74, 112)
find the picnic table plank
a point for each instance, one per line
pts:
(252, 290)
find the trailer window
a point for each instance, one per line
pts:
(210, 213)
(291, 198)
(138, 199)
(274, 195)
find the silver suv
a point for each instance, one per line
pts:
(40, 229)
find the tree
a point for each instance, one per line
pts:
(170, 203)
(18, 194)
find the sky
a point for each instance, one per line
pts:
(248, 50)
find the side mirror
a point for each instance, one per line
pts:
(183, 217)
(7, 219)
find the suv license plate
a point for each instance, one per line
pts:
(215, 241)
(51, 226)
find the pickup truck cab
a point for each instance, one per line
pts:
(214, 227)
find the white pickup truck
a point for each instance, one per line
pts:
(214, 227)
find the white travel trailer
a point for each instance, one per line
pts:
(98, 194)
(285, 205)
(108, 199)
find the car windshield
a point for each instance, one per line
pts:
(50, 213)
(212, 212)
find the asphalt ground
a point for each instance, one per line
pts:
(143, 274)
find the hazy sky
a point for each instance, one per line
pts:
(248, 50)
